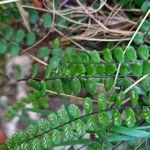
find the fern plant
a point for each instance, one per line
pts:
(67, 124)
(116, 82)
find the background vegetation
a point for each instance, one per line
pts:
(94, 56)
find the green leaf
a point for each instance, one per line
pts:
(84, 57)
(34, 84)
(145, 27)
(91, 86)
(107, 55)
(23, 136)
(46, 141)
(68, 132)
(7, 18)
(47, 71)
(56, 43)
(43, 52)
(32, 129)
(77, 69)
(3, 46)
(134, 98)
(139, 3)
(54, 62)
(53, 120)
(110, 69)
(49, 84)
(14, 139)
(120, 98)
(137, 69)
(57, 52)
(56, 137)
(66, 86)
(58, 86)
(63, 115)
(146, 6)
(25, 146)
(143, 52)
(43, 86)
(130, 54)
(146, 67)
(147, 35)
(101, 102)
(145, 84)
(74, 111)
(88, 106)
(90, 69)
(31, 38)
(80, 128)
(103, 119)
(8, 33)
(118, 53)
(20, 34)
(125, 69)
(33, 16)
(43, 102)
(108, 83)
(92, 124)
(47, 20)
(113, 97)
(117, 118)
(19, 71)
(138, 39)
(14, 49)
(71, 56)
(75, 85)
(94, 55)
(36, 145)
(130, 119)
(43, 125)
(146, 114)
(34, 70)
(124, 2)
(100, 69)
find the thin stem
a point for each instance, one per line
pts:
(72, 77)
(37, 59)
(66, 95)
(79, 37)
(7, 1)
(38, 42)
(135, 83)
